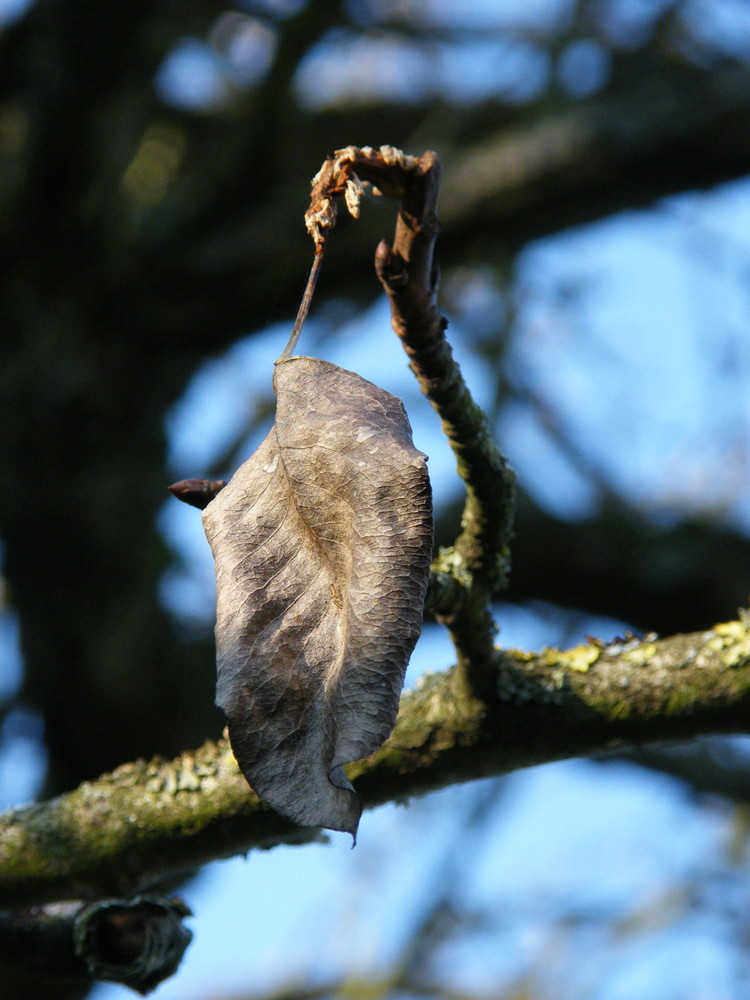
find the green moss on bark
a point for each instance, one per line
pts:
(152, 819)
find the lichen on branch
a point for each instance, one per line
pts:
(151, 820)
(467, 576)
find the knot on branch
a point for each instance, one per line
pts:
(450, 585)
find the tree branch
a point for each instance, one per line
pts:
(138, 942)
(469, 573)
(150, 820)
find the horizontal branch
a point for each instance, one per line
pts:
(148, 820)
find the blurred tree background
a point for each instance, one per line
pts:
(154, 168)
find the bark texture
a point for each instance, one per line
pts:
(158, 818)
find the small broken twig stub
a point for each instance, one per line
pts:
(197, 492)
(138, 941)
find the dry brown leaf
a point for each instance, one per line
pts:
(322, 542)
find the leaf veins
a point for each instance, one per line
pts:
(322, 542)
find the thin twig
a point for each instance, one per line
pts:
(468, 575)
(304, 307)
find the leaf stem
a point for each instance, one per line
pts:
(304, 306)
